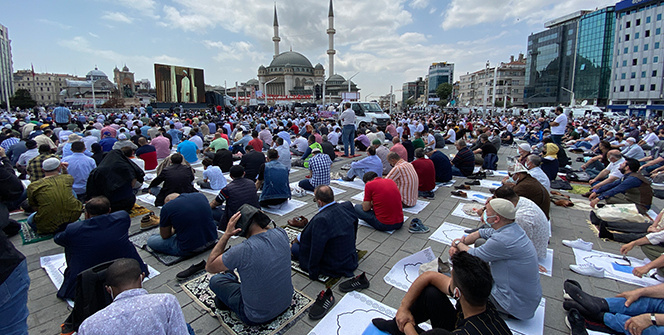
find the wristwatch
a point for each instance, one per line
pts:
(653, 319)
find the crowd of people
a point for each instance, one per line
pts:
(96, 164)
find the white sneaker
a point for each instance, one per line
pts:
(588, 269)
(579, 244)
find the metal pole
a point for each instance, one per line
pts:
(486, 84)
(94, 102)
(576, 41)
(493, 92)
(391, 99)
(237, 97)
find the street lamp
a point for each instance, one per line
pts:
(94, 101)
(353, 76)
(486, 85)
(366, 98)
(265, 88)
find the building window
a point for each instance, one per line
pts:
(631, 88)
(622, 88)
(648, 19)
(658, 31)
(636, 36)
(634, 61)
(654, 73)
(645, 47)
(645, 61)
(653, 87)
(626, 50)
(642, 88)
(655, 59)
(647, 34)
(636, 48)
(638, 22)
(626, 37)
(628, 24)
(623, 75)
(633, 75)
(643, 74)
(659, 17)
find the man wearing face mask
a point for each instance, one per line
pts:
(633, 187)
(517, 290)
(127, 314)
(470, 284)
(533, 163)
(526, 186)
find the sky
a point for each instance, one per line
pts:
(388, 42)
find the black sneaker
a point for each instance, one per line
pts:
(356, 283)
(322, 305)
(576, 322)
(474, 182)
(193, 269)
(346, 178)
(388, 326)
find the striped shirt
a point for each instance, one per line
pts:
(6, 144)
(485, 323)
(404, 175)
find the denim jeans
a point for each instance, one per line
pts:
(619, 314)
(226, 287)
(31, 221)
(167, 246)
(582, 144)
(348, 136)
(557, 139)
(457, 172)
(370, 218)
(305, 184)
(14, 301)
(355, 172)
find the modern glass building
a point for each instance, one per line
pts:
(6, 68)
(592, 77)
(439, 73)
(550, 62)
(638, 58)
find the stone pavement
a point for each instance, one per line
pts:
(47, 311)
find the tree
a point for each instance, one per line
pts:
(443, 91)
(410, 102)
(502, 103)
(22, 99)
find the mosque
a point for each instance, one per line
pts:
(291, 74)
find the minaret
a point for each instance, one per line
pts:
(276, 39)
(330, 33)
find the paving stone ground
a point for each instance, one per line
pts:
(47, 311)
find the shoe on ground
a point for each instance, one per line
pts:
(193, 269)
(388, 326)
(568, 282)
(460, 194)
(149, 220)
(587, 194)
(462, 187)
(358, 282)
(67, 329)
(588, 269)
(417, 227)
(345, 178)
(576, 322)
(474, 182)
(593, 308)
(323, 304)
(579, 244)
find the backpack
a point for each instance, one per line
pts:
(560, 184)
(578, 176)
(490, 162)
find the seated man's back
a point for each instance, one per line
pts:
(191, 217)
(102, 237)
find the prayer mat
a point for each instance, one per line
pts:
(198, 289)
(140, 240)
(138, 210)
(580, 189)
(295, 265)
(29, 236)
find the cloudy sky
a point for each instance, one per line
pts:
(388, 42)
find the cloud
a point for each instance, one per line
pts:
(117, 17)
(93, 35)
(143, 7)
(235, 51)
(54, 23)
(432, 10)
(462, 13)
(419, 4)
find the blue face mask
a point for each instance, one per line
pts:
(486, 217)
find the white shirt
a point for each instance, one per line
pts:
(347, 117)
(538, 174)
(614, 168)
(333, 138)
(534, 222)
(561, 120)
(432, 141)
(452, 134)
(301, 144)
(593, 139)
(651, 139)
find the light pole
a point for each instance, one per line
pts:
(265, 88)
(353, 76)
(366, 97)
(572, 101)
(94, 101)
(486, 85)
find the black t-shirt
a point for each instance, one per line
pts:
(487, 322)
(488, 148)
(191, 217)
(223, 158)
(252, 162)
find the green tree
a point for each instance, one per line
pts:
(410, 102)
(443, 91)
(501, 103)
(22, 99)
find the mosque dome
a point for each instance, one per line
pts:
(95, 74)
(125, 68)
(319, 66)
(252, 82)
(337, 79)
(292, 58)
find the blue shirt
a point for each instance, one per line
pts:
(61, 114)
(215, 177)
(176, 135)
(144, 131)
(369, 163)
(191, 217)
(188, 150)
(79, 167)
(107, 143)
(618, 186)
(66, 151)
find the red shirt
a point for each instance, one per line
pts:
(386, 200)
(426, 174)
(257, 144)
(295, 129)
(400, 150)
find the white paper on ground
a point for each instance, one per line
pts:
(547, 263)
(458, 211)
(652, 214)
(147, 198)
(490, 183)
(445, 184)
(532, 326)
(206, 190)
(25, 182)
(150, 176)
(606, 260)
(448, 232)
(500, 173)
(476, 196)
(352, 315)
(284, 208)
(55, 266)
(356, 184)
(335, 190)
(293, 170)
(406, 270)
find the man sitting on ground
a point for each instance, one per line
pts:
(238, 192)
(517, 291)
(533, 163)
(133, 310)
(632, 188)
(326, 246)
(382, 152)
(364, 165)
(404, 175)
(463, 163)
(426, 174)
(34, 168)
(273, 179)
(100, 238)
(262, 258)
(319, 165)
(147, 153)
(177, 178)
(381, 207)
(185, 225)
(52, 199)
(470, 284)
(213, 178)
(252, 162)
(524, 185)
(441, 164)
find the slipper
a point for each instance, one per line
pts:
(460, 194)
(474, 182)
(462, 187)
(298, 222)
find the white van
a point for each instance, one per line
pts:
(367, 112)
